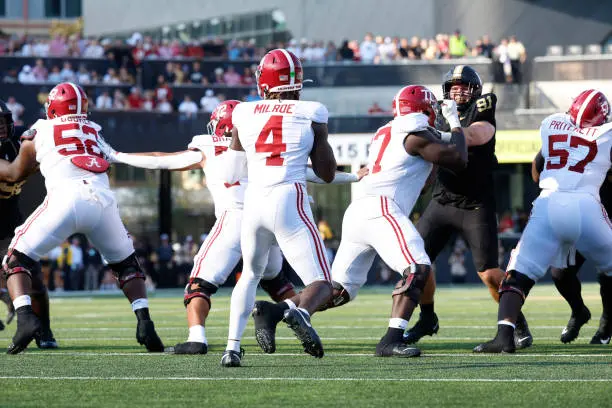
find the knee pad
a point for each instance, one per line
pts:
(277, 286)
(516, 282)
(413, 281)
(127, 270)
(15, 262)
(199, 288)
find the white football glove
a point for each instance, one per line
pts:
(449, 111)
(109, 153)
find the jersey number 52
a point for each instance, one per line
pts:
(74, 145)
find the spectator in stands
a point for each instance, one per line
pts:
(248, 78)
(26, 76)
(457, 265)
(457, 45)
(135, 99)
(387, 50)
(94, 77)
(502, 56)
(517, 56)
(82, 76)
(16, 109)
(54, 76)
(93, 50)
(295, 48)
(176, 49)
(57, 46)
(104, 101)
(111, 77)
(148, 103)
(93, 260)
(431, 52)
(40, 71)
(196, 75)
(77, 267)
(164, 50)
(234, 51)
(10, 77)
(169, 73)
(376, 109)
(67, 73)
(331, 52)
(187, 108)
(442, 42)
(415, 48)
(164, 106)
(209, 101)
(486, 49)
(231, 77)
(119, 100)
(218, 79)
(125, 77)
(345, 53)
(368, 49)
(41, 48)
(252, 96)
(163, 90)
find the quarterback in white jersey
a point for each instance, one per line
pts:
(275, 138)
(571, 167)
(69, 150)
(402, 154)
(220, 252)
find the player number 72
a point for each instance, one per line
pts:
(562, 154)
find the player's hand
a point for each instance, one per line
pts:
(364, 171)
(109, 153)
(449, 111)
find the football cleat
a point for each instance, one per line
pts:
(4, 297)
(426, 326)
(232, 358)
(522, 335)
(146, 335)
(191, 347)
(45, 339)
(600, 338)
(299, 322)
(398, 349)
(576, 321)
(496, 345)
(1, 325)
(28, 326)
(266, 317)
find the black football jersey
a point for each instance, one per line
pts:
(473, 186)
(9, 192)
(605, 193)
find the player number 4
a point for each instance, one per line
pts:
(273, 126)
(562, 154)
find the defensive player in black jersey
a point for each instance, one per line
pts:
(11, 219)
(464, 202)
(568, 284)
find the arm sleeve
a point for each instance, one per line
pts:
(340, 177)
(235, 165)
(171, 162)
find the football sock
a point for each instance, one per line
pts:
(241, 306)
(505, 330)
(393, 335)
(23, 300)
(510, 304)
(427, 309)
(141, 309)
(398, 323)
(289, 304)
(197, 334)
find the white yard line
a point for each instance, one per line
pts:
(364, 338)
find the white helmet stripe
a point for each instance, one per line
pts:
(291, 66)
(584, 106)
(78, 93)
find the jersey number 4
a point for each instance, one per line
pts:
(273, 126)
(74, 145)
(383, 136)
(562, 154)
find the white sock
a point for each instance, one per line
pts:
(304, 311)
(398, 323)
(241, 306)
(197, 334)
(23, 300)
(504, 322)
(141, 303)
(290, 303)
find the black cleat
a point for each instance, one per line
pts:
(522, 335)
(576, 321)
(146, 335)
(303, 330)
(500, 344)
(601, 337)
(1, 325)
(266, 317)
(45, 340)
(28, 326)
(191, 347)
(426, 326)
(397, 349)
(232, 358)
(4, 296)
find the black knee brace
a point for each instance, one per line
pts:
(127, 270)
(16, 262)
(199, 288)
(339, 297)
(412, 282)
(516, 282)
(277, 286)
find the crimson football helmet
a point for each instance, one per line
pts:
(415, 99)
(279, 71)
(66, 99)
(590, 108)
(221, 118)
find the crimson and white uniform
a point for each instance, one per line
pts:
(378, 222)
(568, 211)
(78, 199)
(221, 252)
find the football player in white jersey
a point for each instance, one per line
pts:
(575, 157)
(402, 154)
(68, 148)
(220, 252)
(274, 138)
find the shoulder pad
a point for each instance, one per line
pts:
(413, 122)
(28, 135)
(200, 142)
(313, 111)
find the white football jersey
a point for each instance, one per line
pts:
(277, 137)
(57, 141)
(576, 159)
(393, 172)
(225, 196)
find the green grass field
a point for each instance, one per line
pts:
(100, 363)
